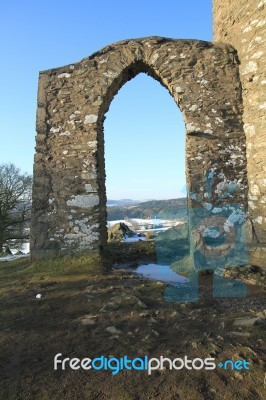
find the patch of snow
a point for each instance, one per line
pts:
(134, 238)
(148, 224)
(13, 257)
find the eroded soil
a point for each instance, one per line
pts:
(120, 314)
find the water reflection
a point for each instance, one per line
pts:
(160, 273)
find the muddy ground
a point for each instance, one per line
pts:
(118, 314)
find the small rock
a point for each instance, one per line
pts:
(38, 296)
(113, 330)
(241, 334)
(251, 281)
(175, 314)
(245, 321)
(261, 314)
(141, 304)
(145, 338)
(86, 321)
(238, 376)
(90, 289)
(215, 349)
(89, 319)
(194, 345)
(144, 314)
(116, 337)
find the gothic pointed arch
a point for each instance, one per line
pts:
(69, 201)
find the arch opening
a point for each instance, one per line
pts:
(144, 150)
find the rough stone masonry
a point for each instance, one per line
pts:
(69, 197)
(242, 23)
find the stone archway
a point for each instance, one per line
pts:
(69, 199)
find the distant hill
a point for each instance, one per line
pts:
(122, 203)
(164, 209)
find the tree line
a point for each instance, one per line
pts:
(15, 204)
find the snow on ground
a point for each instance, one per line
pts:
(139, 225)
(150, 223)
(22, 251)
(134, 238)
(13, 257)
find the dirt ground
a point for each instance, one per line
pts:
(118, 314)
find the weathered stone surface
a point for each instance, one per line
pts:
(69, 198)
(242, 23)
(257, 255)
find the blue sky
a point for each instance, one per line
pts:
(144, 130)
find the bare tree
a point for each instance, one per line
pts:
(15, 203)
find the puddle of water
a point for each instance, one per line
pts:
(161, 273)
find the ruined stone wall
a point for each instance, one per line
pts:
(69, 198)
(242, 23)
